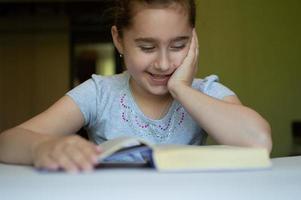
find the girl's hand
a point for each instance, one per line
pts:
(69, 153)
(185, 73)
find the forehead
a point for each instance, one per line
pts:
(159, 22)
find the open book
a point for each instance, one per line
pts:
(172, 157)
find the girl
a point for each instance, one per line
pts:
(157, 98)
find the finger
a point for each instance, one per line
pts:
(192, 44)
(79, 158)
(90, 153)
(63, 161)
(95, 148)
(67, 164)
(47, 163)
(196, 46)
(196, 38)
(83, 142)
(91, 150)
(191, 52)
(82, 152)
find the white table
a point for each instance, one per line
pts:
(283, 181)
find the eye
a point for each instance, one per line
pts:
(178, 47)
(147, 49)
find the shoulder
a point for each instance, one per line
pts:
(117, 79)
(205, 83)
(92, 95)
(110, 82)
(211, 86)
(97, 84)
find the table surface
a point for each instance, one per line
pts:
(282, 181)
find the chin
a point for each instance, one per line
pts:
(159, 91)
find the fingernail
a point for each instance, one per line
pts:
(87, 168)
(73, 171)
(54, 166)
(94, 159)
(98, 148)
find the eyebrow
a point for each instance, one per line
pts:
(152, 40)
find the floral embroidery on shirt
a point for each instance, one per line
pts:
(161, 130)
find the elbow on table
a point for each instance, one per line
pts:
(264, 139)
(266, 143)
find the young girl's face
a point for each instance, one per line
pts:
(154, 46)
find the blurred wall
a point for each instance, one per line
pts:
(34, 66)
(255, 46)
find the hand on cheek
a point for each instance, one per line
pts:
(185, 73)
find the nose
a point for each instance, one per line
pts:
(163, 61)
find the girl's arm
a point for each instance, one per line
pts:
(227, 120)
(46, 141)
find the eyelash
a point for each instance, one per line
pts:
(179, 47)
(151, 49)
(147, 49)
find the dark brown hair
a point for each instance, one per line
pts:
(124, 10)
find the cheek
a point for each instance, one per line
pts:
(136, 62)
(179, 57)
(139, 60)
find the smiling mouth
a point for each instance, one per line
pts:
(160, 79)
(159, 76)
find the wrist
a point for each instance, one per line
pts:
(39, 141)
(176, 89)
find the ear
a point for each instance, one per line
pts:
(117, 39)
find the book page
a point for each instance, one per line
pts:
(127, 143)
(212, 157)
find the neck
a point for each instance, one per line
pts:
(138, 93)
(153, 106)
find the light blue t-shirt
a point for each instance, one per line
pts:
(110, 111)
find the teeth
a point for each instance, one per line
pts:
(159, 76)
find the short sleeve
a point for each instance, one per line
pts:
(211, 86)
(85, 96)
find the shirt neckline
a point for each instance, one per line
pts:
(139, 112)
